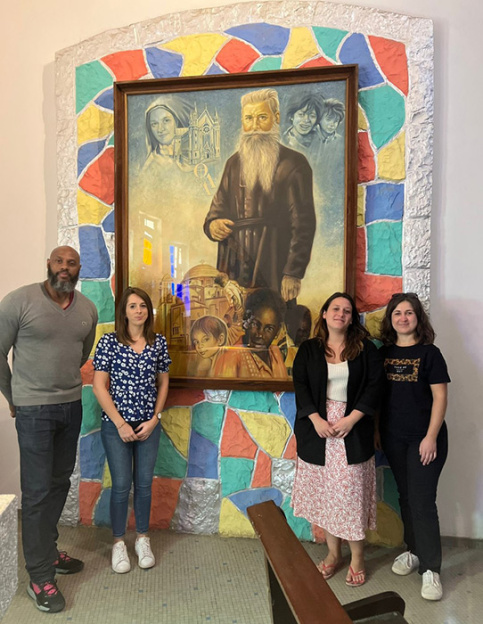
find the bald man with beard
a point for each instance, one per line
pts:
(262, 215)
(51, 328)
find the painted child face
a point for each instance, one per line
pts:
(206, 345)
(329, 123)
(304, 120)
(262, 329)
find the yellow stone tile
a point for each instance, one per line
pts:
(94, 124)
(389, 527)
(373, 322)
(361, 205)
(176, 422)
(198, 51)
(271, 432)
(361, 119)
(90, 210)
(106, 478)
(232, 522)
(101, 329)
(391, 160)
(301, 47)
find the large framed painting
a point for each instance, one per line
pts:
(236, 202)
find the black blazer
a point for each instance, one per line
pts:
(364, 390)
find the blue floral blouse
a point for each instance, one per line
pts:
(132, 375)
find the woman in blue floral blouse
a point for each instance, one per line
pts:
(131, 384)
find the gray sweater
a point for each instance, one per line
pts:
(49, 346)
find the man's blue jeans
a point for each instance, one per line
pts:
(128, 461)
(47, 438)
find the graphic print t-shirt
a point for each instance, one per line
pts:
(410, 371)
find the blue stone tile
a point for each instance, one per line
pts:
(92, 456)
(242, 500)
(267, 38)
(215, 70)
(164, 64)
(102, 515)
(355, 50)
(287, 405)
(384, 202)
(94, 255)
(203, 457)
(86, 153)
(108, 222)
(106, 99)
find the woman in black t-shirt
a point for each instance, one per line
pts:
(413, 433)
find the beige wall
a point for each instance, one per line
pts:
(34, 31)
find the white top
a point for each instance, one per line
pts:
(337, 381)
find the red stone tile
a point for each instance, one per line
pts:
(361, 250)
(262, 475)
(365, 156)
(164, 502)
(391, 58)
(236, 56)
(183, 397)
(320, 61)
(374, 291)
(98, 180)
(236, 441)
(128, 65)
(319, 535)
(291, 449)
(87, 373)
(89, 492)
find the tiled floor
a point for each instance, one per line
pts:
(201, 579)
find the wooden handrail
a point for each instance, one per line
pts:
(309, 597)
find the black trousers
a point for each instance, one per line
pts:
(417, 486)
(47, 438)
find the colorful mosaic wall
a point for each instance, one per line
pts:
(221, 451)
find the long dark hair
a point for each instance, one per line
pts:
(355, 334)
(424, 331)
(122, 331)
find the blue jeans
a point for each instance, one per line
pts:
(130, 461)
(47, 438)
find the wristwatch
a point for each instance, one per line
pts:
(158, 415)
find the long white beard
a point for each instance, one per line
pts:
(259, 154)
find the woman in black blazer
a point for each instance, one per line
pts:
(337, 377)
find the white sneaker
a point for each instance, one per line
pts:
(405, 564)
(432, 588)
(144, 552)
(120, 559)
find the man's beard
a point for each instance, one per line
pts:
(259, 154)
(61, 286)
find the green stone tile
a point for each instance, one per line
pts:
(255, 402)
(329, 40)
(236, 474)
(267, 64)
(300, 526)
(169, 462)
(207, 420)
(91, 411)
(384, 248)
(90, 79)
(386, 112)
(100, 294)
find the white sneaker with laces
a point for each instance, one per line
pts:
(120, 559)
(405, 564)
(432, 588)
(144, 552)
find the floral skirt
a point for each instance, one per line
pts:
(338, 497)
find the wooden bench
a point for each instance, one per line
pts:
(299, 594)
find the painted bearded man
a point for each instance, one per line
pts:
(263, 215)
